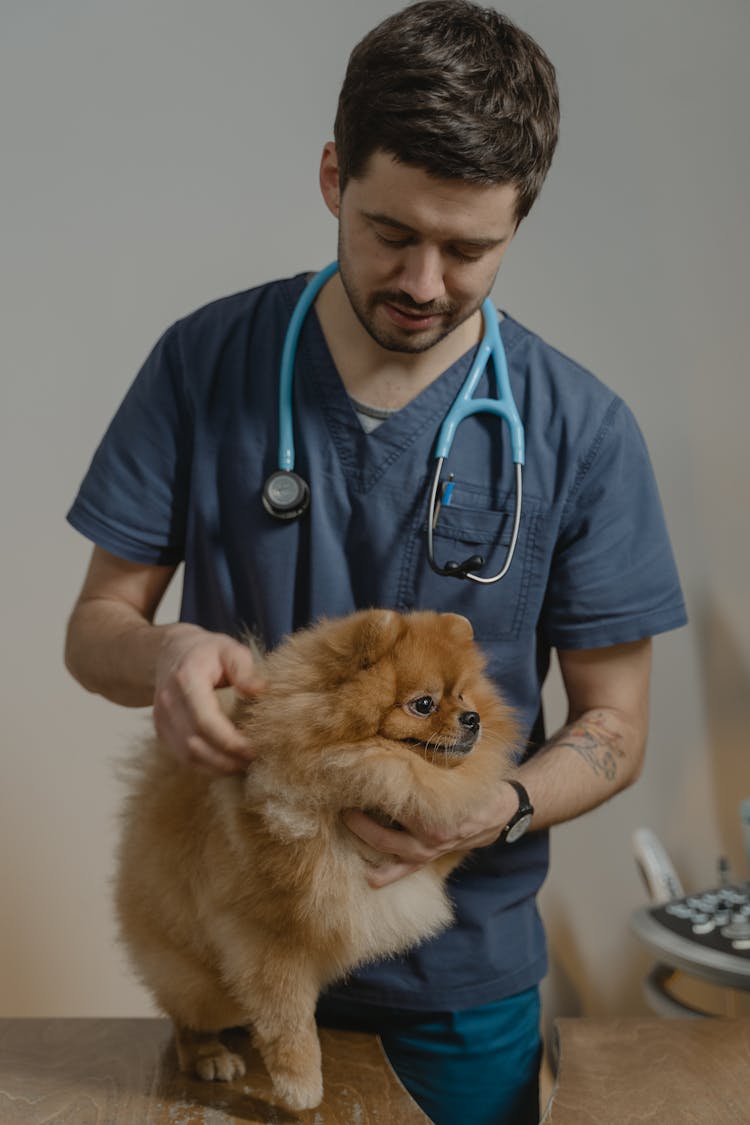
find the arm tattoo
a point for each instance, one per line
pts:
(596, 741)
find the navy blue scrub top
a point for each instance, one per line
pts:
(178, 477)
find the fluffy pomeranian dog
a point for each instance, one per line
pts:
(240, 898)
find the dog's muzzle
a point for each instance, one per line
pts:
(470, 726)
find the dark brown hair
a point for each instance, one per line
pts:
(455, 89)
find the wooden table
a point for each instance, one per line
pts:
(124, 1072)
(652, 1072)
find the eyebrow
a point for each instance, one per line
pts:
(475, 243)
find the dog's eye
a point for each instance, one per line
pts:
(425, 705)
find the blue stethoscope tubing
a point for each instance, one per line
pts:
(464, 405)
(288, 356)
(292, 494)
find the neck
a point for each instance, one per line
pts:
(371, 373)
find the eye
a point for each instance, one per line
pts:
(396, 243)
(462, 256)
(425, 705)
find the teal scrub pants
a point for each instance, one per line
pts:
(474, 1067)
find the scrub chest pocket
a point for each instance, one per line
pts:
(470, 525)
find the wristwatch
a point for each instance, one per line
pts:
(521, 819)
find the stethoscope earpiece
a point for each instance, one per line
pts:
(285, 495)
(454, 569)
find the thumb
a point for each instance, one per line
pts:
(242, 669)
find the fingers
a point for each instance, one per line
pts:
(187, 713)
(405, 851)
(389, 843)
(190, 721)
(408, 848)
(402, 853)
(241, 670)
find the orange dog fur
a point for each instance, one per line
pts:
(240, 898)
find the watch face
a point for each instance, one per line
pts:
(516, 831)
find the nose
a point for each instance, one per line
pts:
(421, 276)
(470, 720)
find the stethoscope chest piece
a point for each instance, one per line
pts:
(285, 495)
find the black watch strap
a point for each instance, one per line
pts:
(521, 820)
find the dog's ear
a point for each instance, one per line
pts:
(365, 637)
(460, 627)
(381, 629)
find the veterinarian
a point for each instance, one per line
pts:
(446, 126)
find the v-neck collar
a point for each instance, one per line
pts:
(364, 456)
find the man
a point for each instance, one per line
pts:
(446, 126)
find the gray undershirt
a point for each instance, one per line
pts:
(370, 417)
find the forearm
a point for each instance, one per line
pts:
(588, 761)
(112, 650)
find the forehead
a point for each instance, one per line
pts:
(430, 660)
(430, 205)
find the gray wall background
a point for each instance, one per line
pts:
(157, 154)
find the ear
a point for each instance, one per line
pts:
(380, 631)
(460, 627)
(329, 178)
(365, 637)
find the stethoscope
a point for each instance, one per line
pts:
(286, 495)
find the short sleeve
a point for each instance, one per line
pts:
(613, 576)
(133, 499)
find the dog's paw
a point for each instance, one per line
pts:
(297, 1091)
(219, 1065)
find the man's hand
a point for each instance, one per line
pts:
(113, 648)
(406, 850)
(188, 716)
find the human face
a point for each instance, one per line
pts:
(417, 254)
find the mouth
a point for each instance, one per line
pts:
(413, 320)
(442, 749)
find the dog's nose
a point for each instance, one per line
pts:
(470, 720)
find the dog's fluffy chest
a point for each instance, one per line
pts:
(406, 912)
(316, 868)
(382, 921)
